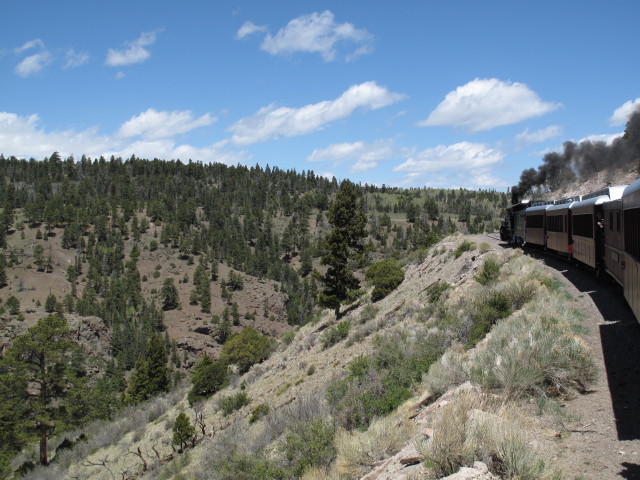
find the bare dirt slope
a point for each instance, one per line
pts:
(599, 180)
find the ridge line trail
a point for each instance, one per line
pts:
(602, 438)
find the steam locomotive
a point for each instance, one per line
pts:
(600, 230)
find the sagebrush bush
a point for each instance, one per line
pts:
(472, 427)
(436, 290)
(465, 246)
(357, 451)
(335, 334)
(531, 355)
(258, 412)
(380, 382)
(308, 445)
(233, 402)
(485, 312)
(449, 371)
(490, 271)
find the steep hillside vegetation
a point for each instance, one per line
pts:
(152, 259)
(341, 398)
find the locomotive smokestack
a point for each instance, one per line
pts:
(515, 197)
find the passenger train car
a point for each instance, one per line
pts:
(600, 230)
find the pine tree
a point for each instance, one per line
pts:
(50, 303)
(37, 380)
(183, 431)
(169, 293)
(3, 271)
(348, 221)
(151, 375)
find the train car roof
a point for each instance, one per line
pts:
(614, 193)
(601, 196)
(540, 207)
(632, 188)
(591, 201)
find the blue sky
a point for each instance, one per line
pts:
(406, 93)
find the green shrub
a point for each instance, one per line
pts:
(369, 312)
(490, 271)
(234, 402)
(335, 334)
(435, 290)
(380, 382)
(13, 305)
(246, 349)
(244, 466)
(309, 445)
(207, 378)
(465, 246)
(385, 276)
(258, 412)
(287, 337)
(486, 311)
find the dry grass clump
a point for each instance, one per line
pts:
(536, 353)
(450, 370)
(474, 427)
(358, 450)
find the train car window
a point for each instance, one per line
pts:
(632, 232)
(535, 221)
(611, 221)
(583, 225)
(618, 221)
(555, 223)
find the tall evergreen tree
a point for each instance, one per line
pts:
(169, 295)
(37, 378)
(3, 271)
(151, 376)
(345, 239)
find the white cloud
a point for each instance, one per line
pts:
(483, 104)
(120, 75)
(464, 156)
(33, 63)
(623, 112)
(24, 137)
(274, 122)
(153, 125)
(364, 156)
(249, 28)
(539, 135)
(35, 43)
(75, 59)
(602, 137)
(135, 53)
(318, 33)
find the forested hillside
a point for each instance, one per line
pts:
(135, 270)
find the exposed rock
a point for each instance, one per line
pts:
(479, 471)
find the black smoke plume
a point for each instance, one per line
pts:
(582, 160)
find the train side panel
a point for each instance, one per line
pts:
(631, 221)
(535, 225)
(632, 284)
(614, 256)
(559, 227)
